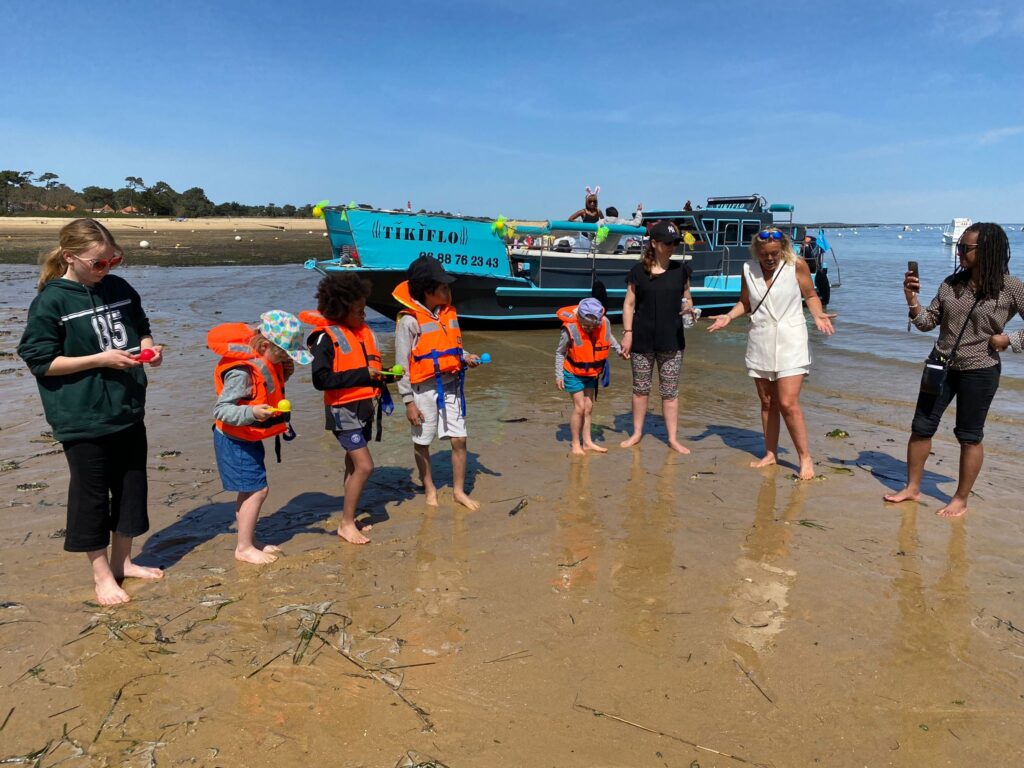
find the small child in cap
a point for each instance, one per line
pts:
(581, 358)
(249, 379)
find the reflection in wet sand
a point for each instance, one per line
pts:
(760, 596)
(931, 639)
(578, 529)
(641, 572)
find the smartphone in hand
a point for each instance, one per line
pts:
(912, 267)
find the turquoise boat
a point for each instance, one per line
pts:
(518, 274)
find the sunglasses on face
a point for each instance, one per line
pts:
(962, 248)
(769, 234)
(100, 264)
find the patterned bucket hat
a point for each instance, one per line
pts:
(284, 329)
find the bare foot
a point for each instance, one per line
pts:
(350, 533)
(768, 461)
(630, 441)
(109, 593)
(955, 508)
(133, 571)
(254, 556)
(431, 494)
(271, 548)
(468, 503)
(596, 448)
(577, 450)
(806, 469)
(675, 445)
(905, 495)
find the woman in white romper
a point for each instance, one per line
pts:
(775, 284)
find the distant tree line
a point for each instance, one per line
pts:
(25, 192)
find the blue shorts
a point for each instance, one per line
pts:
(354, 439)
(240, 463)
(574, 383)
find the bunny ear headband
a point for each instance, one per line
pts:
(596, 191)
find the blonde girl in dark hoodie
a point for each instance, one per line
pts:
(85, 330)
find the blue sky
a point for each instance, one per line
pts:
(869, 111)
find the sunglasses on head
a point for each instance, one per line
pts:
(101, 264)
(769, 234)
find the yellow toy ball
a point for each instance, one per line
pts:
(397, 370)
(284, 406)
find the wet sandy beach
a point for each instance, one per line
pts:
(642, 609)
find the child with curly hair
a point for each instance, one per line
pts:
(347, 369)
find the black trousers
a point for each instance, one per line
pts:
(108, 489)
(973, 391)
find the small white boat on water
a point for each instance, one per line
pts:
(952, 233)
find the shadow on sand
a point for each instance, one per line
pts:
(737, 438)
(304, 513)
(893, 473)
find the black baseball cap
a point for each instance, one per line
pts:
(429, 268)
(666, 232)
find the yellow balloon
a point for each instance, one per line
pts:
(284, 406)
(318, 212)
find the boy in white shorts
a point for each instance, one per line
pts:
(428, 344)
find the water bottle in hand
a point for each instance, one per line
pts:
(689, 312)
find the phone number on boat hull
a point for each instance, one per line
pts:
(462, 259)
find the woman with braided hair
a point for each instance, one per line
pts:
(971, 310)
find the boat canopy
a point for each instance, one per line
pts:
(781, 208)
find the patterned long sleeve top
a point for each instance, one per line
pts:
(949, 311)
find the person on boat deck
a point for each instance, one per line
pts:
(689, 206)
(428, 344)
(775, 286)
(580, 361)
(812, 252)
(589, 213)
(611, 216)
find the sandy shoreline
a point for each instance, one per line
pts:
(169, 242)
(128, 225)
(786, 624)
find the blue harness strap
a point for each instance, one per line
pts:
(435, 355)
(606, 375)
(386, 405)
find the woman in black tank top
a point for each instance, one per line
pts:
(589, 213)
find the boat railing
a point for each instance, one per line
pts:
(726, 260)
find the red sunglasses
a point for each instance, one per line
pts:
(100, 264)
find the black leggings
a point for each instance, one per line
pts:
(973, 391)
(108, 489)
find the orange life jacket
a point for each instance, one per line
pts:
(231, 342)
(353, 348)
(586, 355)
(438, 349)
